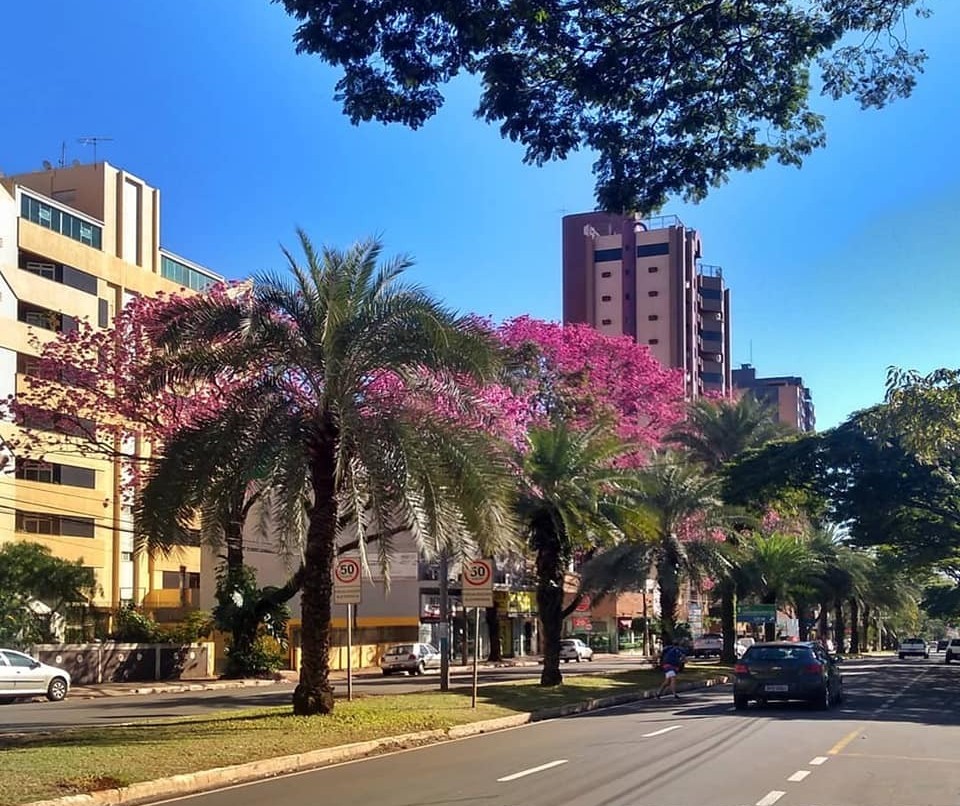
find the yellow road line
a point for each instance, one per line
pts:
(844, 742)
(905, 758)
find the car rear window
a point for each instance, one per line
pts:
(765, 654)
(401, 649)
(712, 635)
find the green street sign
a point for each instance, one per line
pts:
(757, 614)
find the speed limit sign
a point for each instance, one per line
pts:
(478, 583)
(346, 580)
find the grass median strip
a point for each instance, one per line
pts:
(87, 759)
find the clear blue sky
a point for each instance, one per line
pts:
(837, 270)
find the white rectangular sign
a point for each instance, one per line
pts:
(478, 583)
(346, 580)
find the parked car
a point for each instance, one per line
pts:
(952, 652)
(574, 649)
(941, 646)
(410, 658)
(708, 644)
(913, 646)
(783, 670)
(22, 676)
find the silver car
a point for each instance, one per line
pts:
(23, 676)
(412, 658)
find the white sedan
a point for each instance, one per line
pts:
(23, 677)
(574, 649)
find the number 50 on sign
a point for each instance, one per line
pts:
(478, 583)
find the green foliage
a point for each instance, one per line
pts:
(942, 602)
(671, 96)
(30, 574)
(136, 627)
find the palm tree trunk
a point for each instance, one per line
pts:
(728, 621)
(838, 626)
(866, 626)
(854, 626)
(549, 598)
(314, 694)
(822, 623)
(493, 631)
(669, 600)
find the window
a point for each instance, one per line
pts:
(45, 523)
(711, 293)
(652, 317)
(17, 660)
(185, 275)
(171, 580)
(126, 556)
(30, 470)
(606, 298)
(48, 270)
(45, 215)
(53, 473)
(653, 293)
(606, 274)
(652, 269)
(653, 249)
(653, 341)
(603, 255)
(711, 335)
(76, 527)
(712, 377)
(606, 321)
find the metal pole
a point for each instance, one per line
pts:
(349, 652)
(444, 624)
(646, 625)
(476, 658)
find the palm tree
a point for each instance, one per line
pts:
(774, 568)
(673, 496)
(573, 497)
(317, 350)
(715, 433)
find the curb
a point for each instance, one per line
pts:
(197, 782)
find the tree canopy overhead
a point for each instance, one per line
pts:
(672, 95)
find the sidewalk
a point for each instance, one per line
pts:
(284, 677)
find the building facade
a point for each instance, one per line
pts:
(77, 243)
(790, 401)
(645, 279)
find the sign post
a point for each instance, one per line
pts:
(477, 593)
(346, 591)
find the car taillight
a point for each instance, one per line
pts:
(741, 668)
(813, 668)
(411, 657)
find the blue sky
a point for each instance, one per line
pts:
(837, 270)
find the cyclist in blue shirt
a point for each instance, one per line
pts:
(671, 661)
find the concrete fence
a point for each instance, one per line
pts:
(95, 664)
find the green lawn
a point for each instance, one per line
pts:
(83, 760)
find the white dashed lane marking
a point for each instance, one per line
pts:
(816, 762)
(661, 731)
(531, 771)
(770, 798)
(799, 775)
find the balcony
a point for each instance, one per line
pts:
(186, 274)
(52, 215)
(44, 318)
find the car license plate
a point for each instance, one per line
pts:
(774, 689)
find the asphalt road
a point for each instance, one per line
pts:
(24, 717)
(894, 742)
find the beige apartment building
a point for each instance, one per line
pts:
(644, 278)
(790, 401)
(80, 242)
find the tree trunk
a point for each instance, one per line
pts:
(492, 615)
(669, 600)
(823, 626)
(838, 626)
(728, 621)
(854, 626)
(314, 694)
(549, 598)
(866, 627)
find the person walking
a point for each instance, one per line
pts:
(671, 661)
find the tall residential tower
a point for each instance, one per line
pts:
(643, 278)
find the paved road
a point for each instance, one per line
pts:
(895, 742)
(74, 712)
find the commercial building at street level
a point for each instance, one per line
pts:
(790, 401)
(79, 242)
(644, 279)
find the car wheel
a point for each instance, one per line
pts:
(825, 700)
(590, 657)
(901, 656)
(57, 689)
(740, 702)
(579, 659)
(421, 669)
(6, 700)
(387, 673)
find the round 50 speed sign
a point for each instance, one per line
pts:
(477, 573)
(347, 571)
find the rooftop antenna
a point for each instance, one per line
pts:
(92, 141)
(751, 352)
(63, 153)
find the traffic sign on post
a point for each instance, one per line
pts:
(346, 581)
(478, 583)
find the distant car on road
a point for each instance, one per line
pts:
(708, 644)
(410, 658)
(913, 646)
(574, 649)
(22, 677)
(952, 652)
(786, 670)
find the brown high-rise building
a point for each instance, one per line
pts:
(644, 279)
(790, 401)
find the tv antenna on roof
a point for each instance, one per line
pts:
(92, 141)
